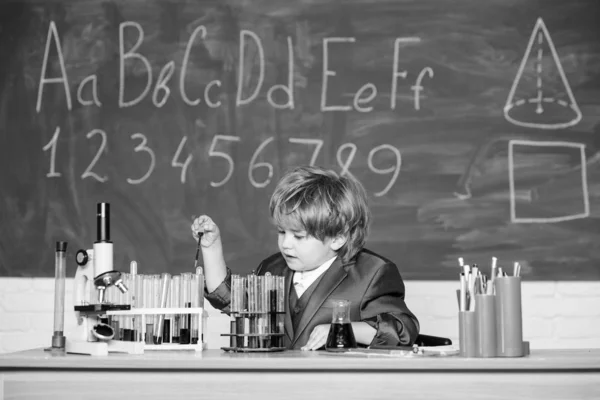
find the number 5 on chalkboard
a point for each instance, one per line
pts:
(213, 153)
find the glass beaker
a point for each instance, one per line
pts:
(341, 335)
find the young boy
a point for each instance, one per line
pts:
(322, 221)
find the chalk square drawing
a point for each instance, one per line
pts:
(540, 105)
(511, 179)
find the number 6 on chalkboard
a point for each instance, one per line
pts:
(266, 165)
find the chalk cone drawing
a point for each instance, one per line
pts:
(536, 100)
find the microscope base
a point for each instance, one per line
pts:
(119, 346)
(103, 348)
(88, 348)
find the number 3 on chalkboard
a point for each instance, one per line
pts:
(142, 147)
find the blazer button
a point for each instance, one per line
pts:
(297, 310)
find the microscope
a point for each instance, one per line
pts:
(95, 274)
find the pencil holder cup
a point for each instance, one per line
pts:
(485, 317)
(467, 337)
(509, 319)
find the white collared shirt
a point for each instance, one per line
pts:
(303, 279)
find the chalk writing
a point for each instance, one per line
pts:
(584, 185)
(251, 57)
(318, 143)
(183, 165)
(53, 36)
(346, 164)
(254, 165)
(213, 153)
(88, 171)
(394, 170)
(142, 147)
(52, 146)
(131, 54)
(540, 37)
(216, 150)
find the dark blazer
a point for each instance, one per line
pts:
(371, 282)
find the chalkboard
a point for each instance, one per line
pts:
(473, 124)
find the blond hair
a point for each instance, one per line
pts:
(323, 204)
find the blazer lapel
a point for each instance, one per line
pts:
(287, 321)
(332, 278)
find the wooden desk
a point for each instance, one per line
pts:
(549, 374)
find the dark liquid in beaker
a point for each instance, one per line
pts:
(341, 336)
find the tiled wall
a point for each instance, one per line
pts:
(555, 314)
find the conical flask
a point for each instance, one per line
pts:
(341, 335)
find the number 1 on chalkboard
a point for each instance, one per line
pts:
(52, 146)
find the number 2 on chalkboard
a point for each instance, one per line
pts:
(88, 171)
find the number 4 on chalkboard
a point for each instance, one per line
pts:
(184, 166)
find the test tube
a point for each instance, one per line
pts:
(111, 297)
(241, 320)
(253, 308)
(233, 310)
(165, 282)
(200, 274)
(156, 282)
(168, 322)
(60, 267)
(233, 306)
(280, 308)
(195, 302)
(186, 302)
(175, 303)
(127, 319)
(200, 292)
(122, 300)
(133, 293)
(138, 303)
(271, 305)
(148, 303)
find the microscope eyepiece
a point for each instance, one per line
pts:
(103, 223)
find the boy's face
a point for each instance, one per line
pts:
(303, 252)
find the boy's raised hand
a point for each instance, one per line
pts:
(210, 230)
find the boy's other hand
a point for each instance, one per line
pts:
(318, 337)
(209, 229)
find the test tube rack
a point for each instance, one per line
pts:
(249, 341)
(256, 309)
(143, 312)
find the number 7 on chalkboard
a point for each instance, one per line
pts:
(318, 145)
